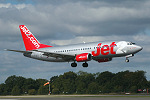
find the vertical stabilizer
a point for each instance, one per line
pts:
(30, 42)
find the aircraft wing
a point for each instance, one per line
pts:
(57, 55)
(48, 54)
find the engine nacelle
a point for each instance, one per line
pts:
(104, 60)
(83, 57)
(27, 54)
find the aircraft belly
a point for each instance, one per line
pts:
(102, 56)
(50, 59)
(40, 56)
(109, 56)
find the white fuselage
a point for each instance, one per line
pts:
(105, 50)
(98, 51)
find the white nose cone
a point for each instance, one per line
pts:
(139, 48)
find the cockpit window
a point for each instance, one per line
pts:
(129, 43)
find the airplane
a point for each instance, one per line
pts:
(98, 51)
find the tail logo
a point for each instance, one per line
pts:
(30, 36)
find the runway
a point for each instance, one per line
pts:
(78, 97)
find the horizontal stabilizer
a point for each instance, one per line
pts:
(16, 50)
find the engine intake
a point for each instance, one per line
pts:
(83, 57)
(27, 54)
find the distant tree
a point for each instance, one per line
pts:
(30, 83)
(54, 82)
(6, 89)
(121, 80)
(55, 91)
(107, 88)
(133, 89)
(93, 88)
(43, 90)
(68, 82)
(80, 83)
(32, 92)
(118, 89)
(104, 78)
(65, 83)
(140, 79)
(16, 90)
(80, 87)
(2, 89)
(54, 78)
(148, 84)
(58, 83)
(39, 82)
(130, 81)
(14, 81)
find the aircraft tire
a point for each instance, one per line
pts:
(127, 60)
(73, 64)
(85, 64)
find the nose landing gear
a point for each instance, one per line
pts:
(127, 60)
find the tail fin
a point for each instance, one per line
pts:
(30, 42)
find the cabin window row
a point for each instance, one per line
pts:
(74, 50)
(79, 49)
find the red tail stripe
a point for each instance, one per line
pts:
(30, 42)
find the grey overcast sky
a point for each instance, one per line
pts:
(64, 22)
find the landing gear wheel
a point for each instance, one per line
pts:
(85, 64)
(127, 60)
(74, 64)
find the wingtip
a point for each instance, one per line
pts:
(6, 49)
(15, 50)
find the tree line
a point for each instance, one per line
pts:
(78, 83)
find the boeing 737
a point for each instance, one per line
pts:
(98, 51)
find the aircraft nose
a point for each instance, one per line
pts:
(139, 48)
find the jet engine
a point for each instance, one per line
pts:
(83, 57)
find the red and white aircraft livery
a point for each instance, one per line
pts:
(98, 51)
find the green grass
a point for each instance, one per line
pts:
(86, 95)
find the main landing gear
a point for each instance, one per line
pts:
(85, 64)
(74, 64)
